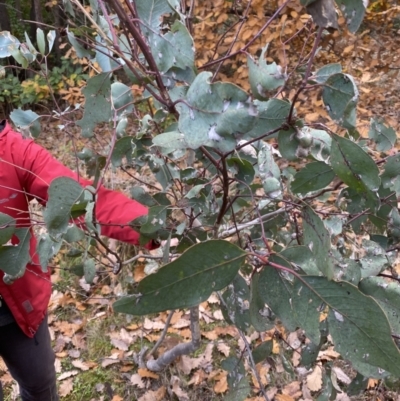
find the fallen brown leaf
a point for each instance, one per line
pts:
(221, 385)
(136, 380)
(283, 397)
(80, 365)
(66, 387)
(314, 379)
(156, 395)
(176, 388)
(147, 373)
(65, 375)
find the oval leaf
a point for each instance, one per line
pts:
(353, 166)
(187, 281)
(312, 177)
(358, 326)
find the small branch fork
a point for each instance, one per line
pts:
(168, 357)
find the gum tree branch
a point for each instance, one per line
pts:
(168, 357)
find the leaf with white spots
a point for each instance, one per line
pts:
(359, 328)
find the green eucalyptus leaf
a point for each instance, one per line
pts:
(386, 293)
(326, 71)
(26, 121)
(238, 383)
(271, 115)
(51, 37)
(8, 44)
(124, 147)
(276, 292)
(41, 42)
(187, 281)
(340, 96)
(140, 195)
(174, 49)
(353, 166)
(262, 351)
(205, 104)
(64, 193)
(236, 303)
(363, 338)
(385, 137)
(264, 77)
(122, 98)
(321, 145)
(14, 258)
(7, 228)
(171, 140)
(317, 237)
(79, 49)
(301, 257)
(260, 315)
(353, 11)
(97, 103)
(74, 234)
(374, 260)
(391, 174)
(243, 169)
(288, 144)
(307, 309)
(46, 249)
(30, 45)
(89, 270)
(312, 177)
(151, 11)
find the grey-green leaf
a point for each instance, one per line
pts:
(312, 177)
(317, 238)
(124, 147)
(385, 137)
(14, 258)
(187, 281)
(89, 269)
(26, 120)
(387, 294)
(307, 309)
(353, 11)
(358, 326)
(205, 105)
(353, 166)
(236, 305)
(174, 49)
(97, 103)
(151, 11)
(41, 41)
(391, 175)
(122, 98)
(326, 71)
(260, 315)
(46, 249)
(276, 292)
(7, 228)
(302, 257)
(64, 193)
(264, 77)
(340, 96)
(8, 44)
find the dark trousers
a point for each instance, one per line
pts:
(30, 362)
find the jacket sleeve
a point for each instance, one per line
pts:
(37, 169)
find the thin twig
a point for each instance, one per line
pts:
(163, 334)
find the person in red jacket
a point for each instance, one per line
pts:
(26, 171)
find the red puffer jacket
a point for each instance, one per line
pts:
(26, 171)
